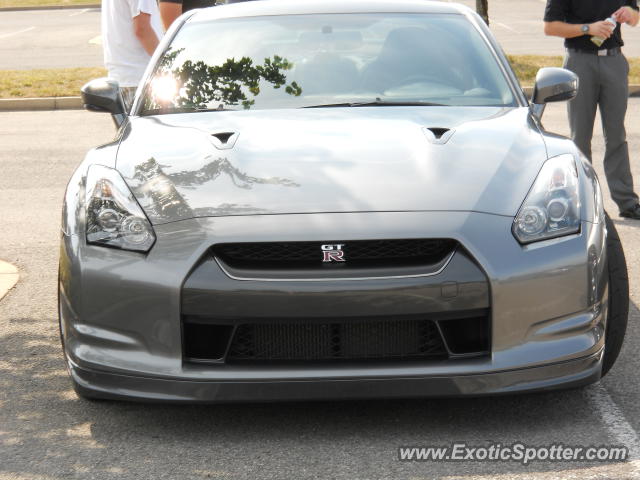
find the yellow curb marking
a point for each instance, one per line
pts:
(8, 277)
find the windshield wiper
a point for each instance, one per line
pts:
(379, 102)
(219, 108)
(171, 110)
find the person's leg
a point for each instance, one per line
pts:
(582, 109)
(613, 108)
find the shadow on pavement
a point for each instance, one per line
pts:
(46, 431)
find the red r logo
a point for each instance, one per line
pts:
(332, 253)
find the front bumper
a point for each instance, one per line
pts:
(121, 312)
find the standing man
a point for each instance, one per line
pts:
(131, 30)
(603, 72)
(172, 9)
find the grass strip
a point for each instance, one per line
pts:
(66, 82)
(56, 82)
(45, 3)
(526, 67)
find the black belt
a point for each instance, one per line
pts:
(601, 53)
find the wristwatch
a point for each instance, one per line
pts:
(585, 29)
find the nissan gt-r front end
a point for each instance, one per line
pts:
(312, 210)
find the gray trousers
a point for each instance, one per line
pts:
(604, 83)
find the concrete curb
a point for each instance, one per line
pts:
(50, 7)
(75, 103)
(35, 104)
(8, 278)
(634, 91)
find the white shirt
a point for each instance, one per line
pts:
(124, 56)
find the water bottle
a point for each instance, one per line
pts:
(600, 40)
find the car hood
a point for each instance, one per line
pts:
(359, 159)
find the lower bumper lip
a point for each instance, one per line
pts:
(573, 373)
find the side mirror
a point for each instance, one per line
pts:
(103, 95)
(553, 85)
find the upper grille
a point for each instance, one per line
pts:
(357, 253)
(344, 340)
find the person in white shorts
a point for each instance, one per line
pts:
(131, 31)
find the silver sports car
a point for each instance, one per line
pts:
(335, 199)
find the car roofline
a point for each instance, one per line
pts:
(310, 7)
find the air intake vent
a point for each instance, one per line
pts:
(438, 135)
(450, 335)
(439, 132)
(342, 340)
(224, 140)
(356, 253)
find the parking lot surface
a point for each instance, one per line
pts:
(71, 38)
(46, 432)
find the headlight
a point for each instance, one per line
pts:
(114, 218)
(552, 207)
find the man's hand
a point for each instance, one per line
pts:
(601, 29)
(626, 15)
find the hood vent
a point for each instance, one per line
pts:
(224, 140)
(438, 135)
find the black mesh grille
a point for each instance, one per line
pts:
(358, 253)
(349, 340)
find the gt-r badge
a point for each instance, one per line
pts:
(332, 253)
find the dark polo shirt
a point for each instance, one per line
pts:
(587, 11)
(191, 4)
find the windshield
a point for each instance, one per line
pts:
(297, 61)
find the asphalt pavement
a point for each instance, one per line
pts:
(71, 38)
(50, 39)
(46, 432)
(518, 26)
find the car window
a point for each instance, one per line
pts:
(295, 61)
